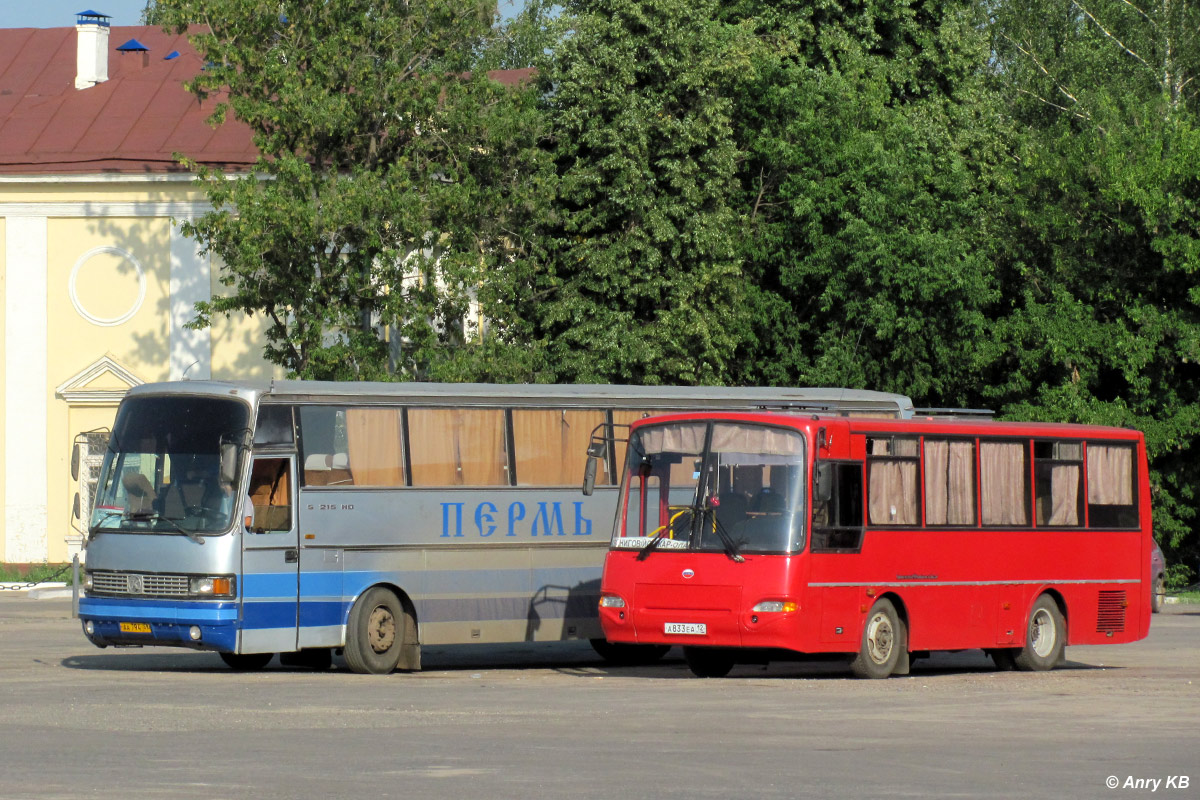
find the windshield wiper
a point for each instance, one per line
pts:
(662, 532)
(154, 516)
(727, 542)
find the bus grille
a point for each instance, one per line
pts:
(139, 584)
(1111, 615)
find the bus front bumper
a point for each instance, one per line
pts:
(195, 624)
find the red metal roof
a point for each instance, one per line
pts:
(131, 123)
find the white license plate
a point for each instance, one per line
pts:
(686, 628)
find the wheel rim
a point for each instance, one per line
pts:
(881, 638)
(381, 629)
(1042, 633)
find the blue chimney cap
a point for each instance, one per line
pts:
(90, 17)
(133, 46)
(171, 55)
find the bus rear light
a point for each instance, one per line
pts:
(776, 606)
(612, 601)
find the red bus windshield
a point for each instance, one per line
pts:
(721, 486)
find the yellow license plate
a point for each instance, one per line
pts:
(135, 627)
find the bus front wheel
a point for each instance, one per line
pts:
(629, 655)
(1045, 636)
(247, 662)
(884, 641)
(375, 633)
(708, 662)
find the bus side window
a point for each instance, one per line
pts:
(838, 523)
(270, 495)
(1111, 500)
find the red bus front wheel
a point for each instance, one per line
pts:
(708, 662)
(884, 640)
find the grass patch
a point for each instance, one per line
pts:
(28, 573)
(1185, 597)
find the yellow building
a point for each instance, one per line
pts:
(96, 280)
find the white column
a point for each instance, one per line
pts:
(25, 391)
(191, 350)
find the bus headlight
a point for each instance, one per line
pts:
(611, 601)
(87, 581)
(776, 606)
(211, 586)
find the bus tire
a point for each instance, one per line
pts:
(1156, 594)
(708, 662)
(1045, 636)
(629, 655)
(246, 662)
(884, 639)
(375, 632)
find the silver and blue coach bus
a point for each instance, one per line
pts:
(304, 518)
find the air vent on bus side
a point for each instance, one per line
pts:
(1110, 616)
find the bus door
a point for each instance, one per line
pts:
(270, 557)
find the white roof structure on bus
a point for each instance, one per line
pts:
(581, 395)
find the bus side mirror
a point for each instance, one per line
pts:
(595, 451)
(228, 463)
(75, 506)
(75, 463)
(822, 482)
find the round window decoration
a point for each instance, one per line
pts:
(111, 281)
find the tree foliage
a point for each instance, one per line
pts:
(390, 169)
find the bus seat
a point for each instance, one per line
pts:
(139, 493)
(317, 468)
(340, 469)
(191, 491)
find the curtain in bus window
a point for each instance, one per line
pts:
(1003, 480)
(1064, 495)
(756, 439)
(550, 446)
(457, 447)
(949, 482)
(375, 443)
(1110, 475)
(683, 437)
(892, 493)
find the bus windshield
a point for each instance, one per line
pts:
(172, 466)
(720, 487)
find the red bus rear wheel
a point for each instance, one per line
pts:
(1045, 636)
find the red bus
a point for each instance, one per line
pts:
(754, 537)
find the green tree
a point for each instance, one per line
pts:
(1105, 304)
(636, 278)
(875, 163)
(391, 168)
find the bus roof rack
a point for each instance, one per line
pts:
(953, 412)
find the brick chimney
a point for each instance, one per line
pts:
(91, 48)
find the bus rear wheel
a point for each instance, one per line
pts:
(247, 662)
(884, 640)
(1044, 637)
(708, 662)
(375, 633)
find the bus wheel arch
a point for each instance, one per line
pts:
(1045, 634)
(884, 642)
(381, 632)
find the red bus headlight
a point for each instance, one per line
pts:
(776, 606)
(611, 601)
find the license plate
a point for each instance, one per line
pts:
(686, 628)
(135, 627)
